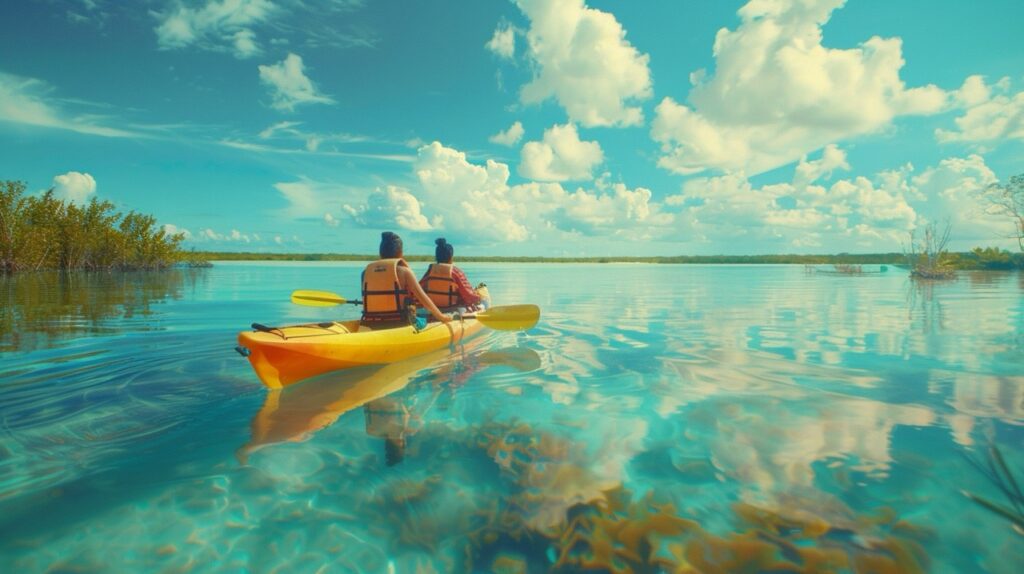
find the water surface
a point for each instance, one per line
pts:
(724, 417)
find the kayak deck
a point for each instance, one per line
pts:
(282, 356)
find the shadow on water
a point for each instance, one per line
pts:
(41, 309)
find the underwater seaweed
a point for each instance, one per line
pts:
(1000, 475)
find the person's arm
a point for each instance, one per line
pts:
(412, 286)
(467, 294)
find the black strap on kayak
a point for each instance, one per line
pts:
(326, 326)
(265, 329)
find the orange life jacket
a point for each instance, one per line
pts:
(440, 286)
(383, 296)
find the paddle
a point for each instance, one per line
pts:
(320, 298)
(502, 317)
(508, 317)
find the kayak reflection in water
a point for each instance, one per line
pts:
(390, 288)
(395, 418)
(295, 414)
(447, 285)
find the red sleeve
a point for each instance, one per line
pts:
(466, 292)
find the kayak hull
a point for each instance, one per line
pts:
(287, 355)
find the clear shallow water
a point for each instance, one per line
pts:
(716, 416)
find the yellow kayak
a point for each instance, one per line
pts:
(282, 356)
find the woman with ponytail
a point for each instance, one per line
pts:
(446, 284)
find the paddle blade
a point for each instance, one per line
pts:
(510, 317)
(317, 298)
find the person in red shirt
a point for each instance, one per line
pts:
(446, 284)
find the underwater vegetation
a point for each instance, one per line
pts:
(553, 514)
(996, 470)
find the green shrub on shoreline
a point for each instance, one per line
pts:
(43, 232)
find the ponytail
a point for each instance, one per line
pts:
(444, 250)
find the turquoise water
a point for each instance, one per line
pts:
(722, 417)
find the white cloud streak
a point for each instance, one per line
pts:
(560, 156)
(27, 101)
(218, 25)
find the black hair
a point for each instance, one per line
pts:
(390, 245)
(444, 250)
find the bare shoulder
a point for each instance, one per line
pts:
(406, 274)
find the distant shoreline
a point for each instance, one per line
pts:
(842, 258)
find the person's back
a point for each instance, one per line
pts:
(384, 297)
(389, 288)
(446, 284)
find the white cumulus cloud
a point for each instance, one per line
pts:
(873, 213)
(475, 203)
(234, 236)
(560, 156)
(509, 137)
(330, 220)
(868, 213)
(473, 198)
(582, 59)
(388, 207)
(992, 113)
(289, 84)
(954, 190)
(171, 229)
(74, 187)
(479, 204)
(777, 93)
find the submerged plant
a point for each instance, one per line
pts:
(999, 474)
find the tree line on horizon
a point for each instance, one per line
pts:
(978, 258)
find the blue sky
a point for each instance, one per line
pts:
(534, 127)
